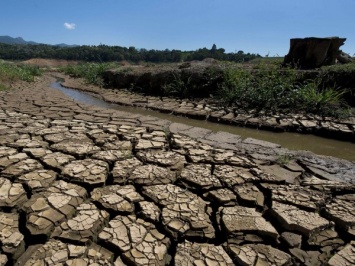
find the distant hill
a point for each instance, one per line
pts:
(19, 40)
(66, 45)
(10, 40)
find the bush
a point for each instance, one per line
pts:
(325, 101)
(91, 72)
(10, 73)
(272, 89)
(262, 89)
(182, 86)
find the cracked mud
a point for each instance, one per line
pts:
(81, 185)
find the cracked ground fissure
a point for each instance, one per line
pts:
(83, 185)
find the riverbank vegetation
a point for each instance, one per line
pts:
(260, 87)
(281, 90)
(11, 72)
(90, 72)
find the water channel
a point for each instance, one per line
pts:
(289, 140)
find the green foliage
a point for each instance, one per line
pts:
(276, 61)
(350, 67)
(105, 53)
(181, 86)
(266, 88)
(284, 159)
(91, 72)
(273, 89)
(233, 90)
(327, 101)
(3, 87)
(10, 73)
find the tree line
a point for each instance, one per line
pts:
(105, 53)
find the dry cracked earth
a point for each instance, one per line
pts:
(81, 185)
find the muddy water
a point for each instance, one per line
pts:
(288, 140)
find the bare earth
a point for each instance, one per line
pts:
(82, 185)
(49, 62)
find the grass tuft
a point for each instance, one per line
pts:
(10, 73)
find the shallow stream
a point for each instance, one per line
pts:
(289, 140)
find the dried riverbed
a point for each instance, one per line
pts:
(290, 140)
(84, 185)
(343, 129)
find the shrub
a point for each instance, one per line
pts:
(90, 72)
(273, 89)
(10, 72)
(181, 86)
(262, 89)
(326, 101)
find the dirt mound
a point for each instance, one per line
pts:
(49, 62)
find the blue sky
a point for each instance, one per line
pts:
(255, 26)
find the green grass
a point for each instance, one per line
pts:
(10, 73)
(181, 86)
(90, 72)
(3, 87)
(273, 89)
(266, 61)
(316, 99)
(350, 67)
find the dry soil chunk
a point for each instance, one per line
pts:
(199, 176)
(57, 160)
(149, 211)
(3, 260)
(162, 158)
(240, 219)
(152, 175)
(52, 206)
(139, 241)
(123, 169)
(38, 153)
(294, 219)
(66, 136)
(296, 195)
(144, 144)
(88, 171)
(233, 175)
(117, 198)
(11, 194)
(183, 213)
(10, 156)
(39, 179)
(112, 155)
(76, 147)
(249, 194)
(7, 151)
(259, 254)
(21, 168)
(55, 252)
(85, 225)
(326, 185)
(222, 196)
(12, 241)
(345, 257)
(188, 253)
(342, 212)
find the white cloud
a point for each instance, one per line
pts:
(69, 26)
